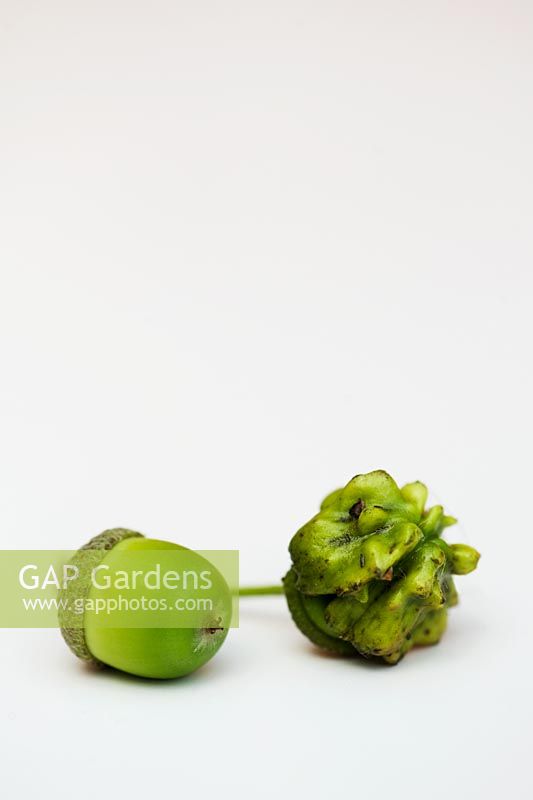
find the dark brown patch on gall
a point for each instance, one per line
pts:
(356, 509)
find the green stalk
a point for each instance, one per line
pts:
(249, 591)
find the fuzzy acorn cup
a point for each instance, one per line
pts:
(148, 652)
(370, 573)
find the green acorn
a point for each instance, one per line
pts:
(370, 572)
(148, 652)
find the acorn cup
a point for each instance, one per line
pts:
(149, 652)
(370, 572)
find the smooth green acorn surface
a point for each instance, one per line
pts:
(371, 574)
(146, 652)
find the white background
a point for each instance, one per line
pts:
(248, 250)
